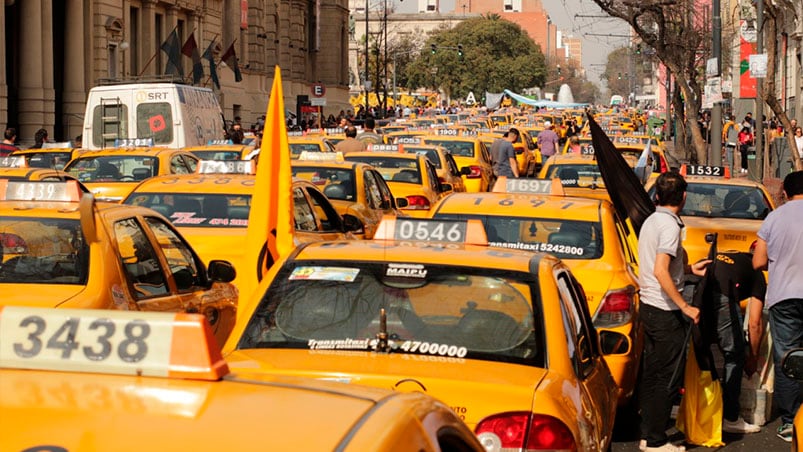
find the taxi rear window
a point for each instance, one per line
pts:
(392, 169)
(566, 239)
(297, 148)
(586, 175)
(430, 154)
(457, 148)
(217, 155)
(724, 201)
(55, 160)
(42, 251)
(113, 168)
(336, 183)
(634, 153)
(197, 209)
(443, 311)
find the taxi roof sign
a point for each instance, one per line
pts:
(532, 186)
(375, 147)
(704, 170)
(60, 191)
(219, 142)
(57, 145)
(173, 345)
(225, 167)
(469, 232)
(13, 161)
(313, 156)
(133, 142)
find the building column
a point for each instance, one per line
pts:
(74, 89)
(149, 48)
(48, 86)
(31, 93)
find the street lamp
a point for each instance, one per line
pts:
(548, 23)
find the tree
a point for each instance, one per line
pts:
(616, 74)
(497, 55)
(677, 31)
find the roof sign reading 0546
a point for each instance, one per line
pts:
(430, 231)
(39, 191)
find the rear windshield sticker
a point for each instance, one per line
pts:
(406, 270)
(342, 274)
(544, 247)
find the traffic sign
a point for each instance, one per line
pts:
(318, 101)
(318, 90)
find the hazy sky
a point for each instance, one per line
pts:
(568, 15)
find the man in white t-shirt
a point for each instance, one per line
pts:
(662, 310)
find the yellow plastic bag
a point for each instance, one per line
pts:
(700, 414)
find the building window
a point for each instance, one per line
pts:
(113, 61)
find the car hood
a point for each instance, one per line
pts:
(463, 384)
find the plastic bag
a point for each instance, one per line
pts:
(700, 413)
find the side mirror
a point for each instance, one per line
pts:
(221, 271)
(446, 187)
(402, 203)
(792, 364)
(352, 223)
(465, 171)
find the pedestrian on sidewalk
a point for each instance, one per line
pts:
(9, 143)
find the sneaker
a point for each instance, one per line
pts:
(668, 447)
(739, 426)
(785, 432)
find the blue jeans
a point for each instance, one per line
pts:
(786, 326)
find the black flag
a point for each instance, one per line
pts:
(626, 192)
(703, 334)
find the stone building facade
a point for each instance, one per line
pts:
(55, 51)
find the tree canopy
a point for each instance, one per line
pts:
(496, 55)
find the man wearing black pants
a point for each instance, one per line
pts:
(662, 311)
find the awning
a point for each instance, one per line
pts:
(541, 103)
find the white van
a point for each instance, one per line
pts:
(171, 114)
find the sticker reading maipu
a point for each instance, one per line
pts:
(342, 274)
(406, 270)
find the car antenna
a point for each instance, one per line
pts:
(382, 335)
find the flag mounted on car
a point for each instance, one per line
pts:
(625, 189)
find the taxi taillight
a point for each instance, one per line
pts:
(476, 172)
(616, 308)
(664, 168)
(417, 202)
(524, 431)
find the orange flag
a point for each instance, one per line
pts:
(270, 221)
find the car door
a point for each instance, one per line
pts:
(454, 171)
(315, 215)
(374, 202)
(598, 389)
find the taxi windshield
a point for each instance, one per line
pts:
(297, 148)
(566, 239)
(632, 155)
(42, 251)
(584, 175)
(725, 201)
(201, 210)
(55, 160)
(456, 148)
(336, 183)
(113, 168)
(217, 154)
(452, 311)
(391, 168)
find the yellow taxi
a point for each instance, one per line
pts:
(15, 167)
(470, 153)
(588, 235)
(299, 142)
(61, 249)
(634, 145)
(221, 150)
(579, 174)
(502, 336)
(111, 174)
(54, 155)
(409, 176)
(95, 377)
(441, 158)
(792, 367)
(735, 208)
(211, 209)
(353, 188)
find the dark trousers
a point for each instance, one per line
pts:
(730, 340)
(664, 347)
(786, 327)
